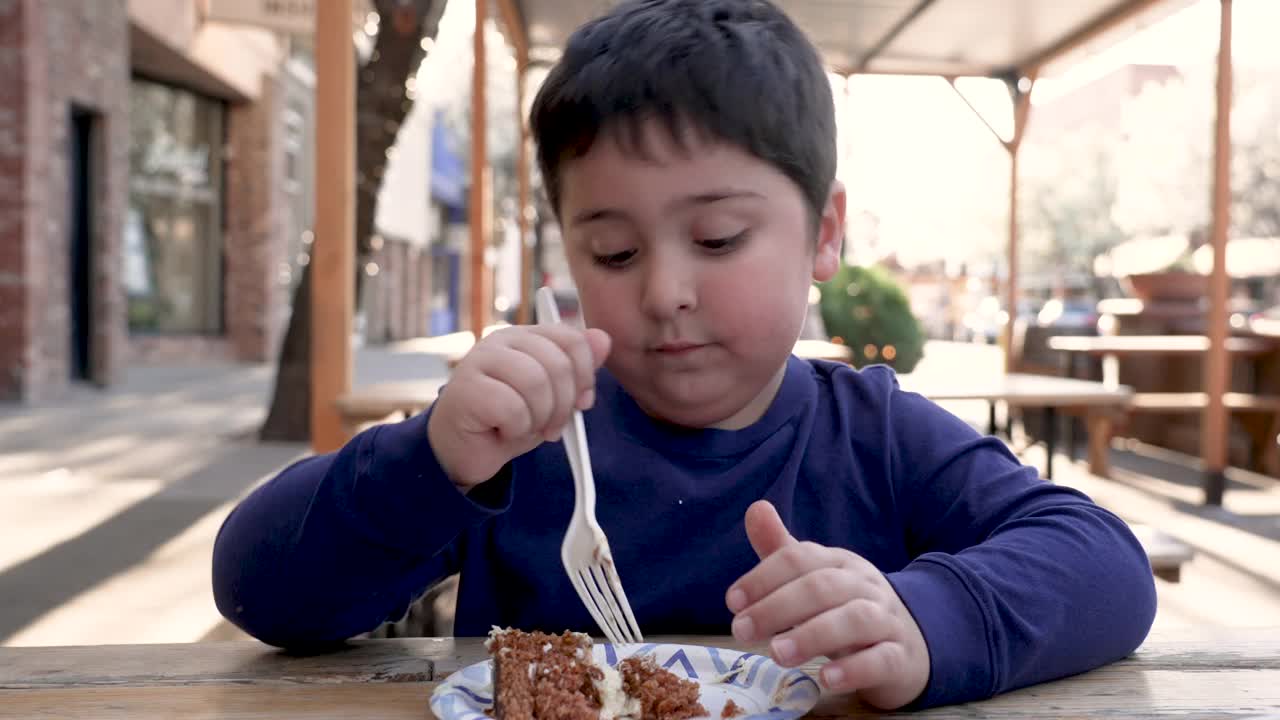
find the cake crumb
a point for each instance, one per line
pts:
(731, 710)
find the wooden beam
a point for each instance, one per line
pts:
(1021, 116)
(479, 200)
(1217, 368)
(1106, 21)
(919, 70)
(333, 252)
(865, 61)
(951, 80)
(516, 32)
(1022, 105)
(524, 210)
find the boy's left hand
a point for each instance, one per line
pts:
(810, 600)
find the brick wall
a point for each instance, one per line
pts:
(255, 238)
(57, 55)
(14, 326)
(397, 300)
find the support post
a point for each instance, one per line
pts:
(479, 201)
(332, 295)
(1217, 367)
(1021, 97)
(524, 208)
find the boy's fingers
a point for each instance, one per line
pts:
(882, 665)
(507, 411)
(791, 562)
(765, 529)
(841, 630)
(556, 356)
(530, 380)
(577, 346)
(807, 595)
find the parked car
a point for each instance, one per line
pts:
(1266, 322)
(1070, 313)
(986, 321)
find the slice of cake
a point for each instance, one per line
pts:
(537, 676)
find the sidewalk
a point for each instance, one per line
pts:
(110, 500)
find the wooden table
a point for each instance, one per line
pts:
(823, 350)
(1048, 393)
(1206, 672)
(1112, 347)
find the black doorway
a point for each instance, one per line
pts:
(80, 226)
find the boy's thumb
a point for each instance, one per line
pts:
(600, 343)
(765, 529)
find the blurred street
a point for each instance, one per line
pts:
(111, 502)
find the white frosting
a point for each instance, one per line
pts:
(615, 703)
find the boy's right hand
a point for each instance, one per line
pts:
(517, 388)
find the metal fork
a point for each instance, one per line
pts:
(585, 552)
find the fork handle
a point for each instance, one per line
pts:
(584, 483)
(575, 433)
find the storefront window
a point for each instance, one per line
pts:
(173, 232)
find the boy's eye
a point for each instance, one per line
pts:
(724, 243)
(615, 260)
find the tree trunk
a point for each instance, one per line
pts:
(382, 103)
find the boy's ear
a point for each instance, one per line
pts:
(826, 260)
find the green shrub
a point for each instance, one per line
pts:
(867, 310)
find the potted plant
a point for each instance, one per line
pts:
(867, 310)
(1159, 269)
(1176, 282)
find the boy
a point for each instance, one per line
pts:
(688, 147)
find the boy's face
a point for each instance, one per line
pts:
(697, 260)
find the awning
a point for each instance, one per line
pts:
(989, 38)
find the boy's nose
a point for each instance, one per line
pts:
(669, 289)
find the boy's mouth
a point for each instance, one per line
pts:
(678, 348)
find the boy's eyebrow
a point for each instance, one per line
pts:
(717, 195)
(597, 214)
(588, 216)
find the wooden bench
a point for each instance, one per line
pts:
(385, 402)
(1166, 553)
(1259, 414)
(1051, 395)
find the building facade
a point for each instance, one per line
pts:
(155, 187)
(156, 195)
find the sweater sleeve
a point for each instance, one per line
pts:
(1014, 580)
(337, 544)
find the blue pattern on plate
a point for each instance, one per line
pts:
(759, 686)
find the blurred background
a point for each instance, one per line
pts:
(158, 216)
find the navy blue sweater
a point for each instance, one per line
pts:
(1013, 580)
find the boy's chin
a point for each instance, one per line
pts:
(700, 409)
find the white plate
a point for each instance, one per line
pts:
(763, 689)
